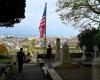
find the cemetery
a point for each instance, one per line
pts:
(64, 65)
(73, 65)
(52, 54)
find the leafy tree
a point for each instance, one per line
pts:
(85, 13)
(11, 12)
(89, 38)
(3, 49)
(33, 42)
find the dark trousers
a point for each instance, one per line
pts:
(20, 67)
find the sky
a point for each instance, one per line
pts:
(33, 14)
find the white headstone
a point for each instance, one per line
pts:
(95, 48)
(83, 51)
(83, 47)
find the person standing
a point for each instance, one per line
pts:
(20, 59)
(49, 55)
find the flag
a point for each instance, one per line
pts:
(42, 27)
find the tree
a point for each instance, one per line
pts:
(89, 38)
(3, 49)
(11, 12)
(85, 13)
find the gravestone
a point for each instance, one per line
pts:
(66, 54)
(58, 56)
(95, 48)
(83, 51)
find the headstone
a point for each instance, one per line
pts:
(95, 48)
(58, 51)
(66, 54)
(83, 51)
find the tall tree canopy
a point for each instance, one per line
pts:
(85, 13)
(89, 38)
(11, 12)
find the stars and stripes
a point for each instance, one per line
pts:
(42, 27)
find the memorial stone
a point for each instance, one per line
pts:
(83, 51)
(95, 51)
(66, 54)
(58, 51)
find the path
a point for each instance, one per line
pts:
(30, 72)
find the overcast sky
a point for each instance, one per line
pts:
(30, 25)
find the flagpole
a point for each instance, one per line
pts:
(42, 28)
(45, 33)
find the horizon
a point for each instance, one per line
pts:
(4, 36)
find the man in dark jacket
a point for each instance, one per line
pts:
(20, 59)
(49, 52)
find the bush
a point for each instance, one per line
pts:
(3, 49)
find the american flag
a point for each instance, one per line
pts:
(42, 27)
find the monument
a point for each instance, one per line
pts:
(83, 51)
(66, 54)
(95, 48)
(58, 56)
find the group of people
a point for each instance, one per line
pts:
(21, 57)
